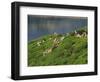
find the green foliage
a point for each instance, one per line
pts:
(70, 50)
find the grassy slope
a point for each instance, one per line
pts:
(72, 50)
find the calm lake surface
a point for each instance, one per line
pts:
(44, 25)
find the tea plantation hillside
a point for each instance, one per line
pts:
(59, 49)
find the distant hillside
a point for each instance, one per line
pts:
(59, 49)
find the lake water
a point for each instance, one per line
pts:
(43, 25)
